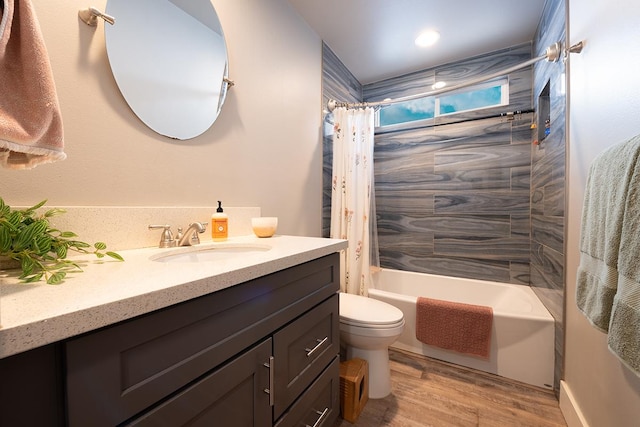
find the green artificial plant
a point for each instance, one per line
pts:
(41, 250)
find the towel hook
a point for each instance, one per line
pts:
(90, 16)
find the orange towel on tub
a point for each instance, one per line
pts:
(465, 328)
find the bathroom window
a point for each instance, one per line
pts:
(485, 95)
(408, 111)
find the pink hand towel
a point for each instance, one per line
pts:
(30, 120)
(465, 328)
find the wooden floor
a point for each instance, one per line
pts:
(427, 392)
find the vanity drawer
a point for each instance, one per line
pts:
(118, 372)
(320, 405)
(302, 350)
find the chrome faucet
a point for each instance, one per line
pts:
(190, 237)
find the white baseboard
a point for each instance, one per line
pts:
(569, 407)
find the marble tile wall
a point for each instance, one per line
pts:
(453, 199)
(339, 84)
(548, 179)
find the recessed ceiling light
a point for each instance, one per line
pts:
(427, 38)
(438, 85)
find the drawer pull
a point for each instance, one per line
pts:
(310, 351)
(321, 418)
(269, 390)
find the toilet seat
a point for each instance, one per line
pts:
(359, 311)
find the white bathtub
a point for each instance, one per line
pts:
(522, 341)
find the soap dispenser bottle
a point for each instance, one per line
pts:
(219, 224)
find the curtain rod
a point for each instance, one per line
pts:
(510, 115)
(552, 54)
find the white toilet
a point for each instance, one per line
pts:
(367, 328)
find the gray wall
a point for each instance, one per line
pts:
(451, 199)
(548, 179)
(454, 199)
(338, 84)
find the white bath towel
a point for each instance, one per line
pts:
(30, 120)
(624, 328)
(602, 225)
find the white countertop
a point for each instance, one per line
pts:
(107, 292)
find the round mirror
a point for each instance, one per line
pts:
(169, 60)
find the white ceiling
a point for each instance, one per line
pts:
(375, 38)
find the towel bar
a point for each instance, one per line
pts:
(90, 16)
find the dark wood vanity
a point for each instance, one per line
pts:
(260, 353)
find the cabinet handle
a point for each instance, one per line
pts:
(269, 390)
(320, 419)
(312, 350)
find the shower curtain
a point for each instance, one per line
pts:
(352, 201)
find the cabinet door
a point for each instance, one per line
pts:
(302, 350)
(233, 395)
(31, 388)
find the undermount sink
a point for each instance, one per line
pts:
(209, 253)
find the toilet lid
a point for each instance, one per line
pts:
(362, 311)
